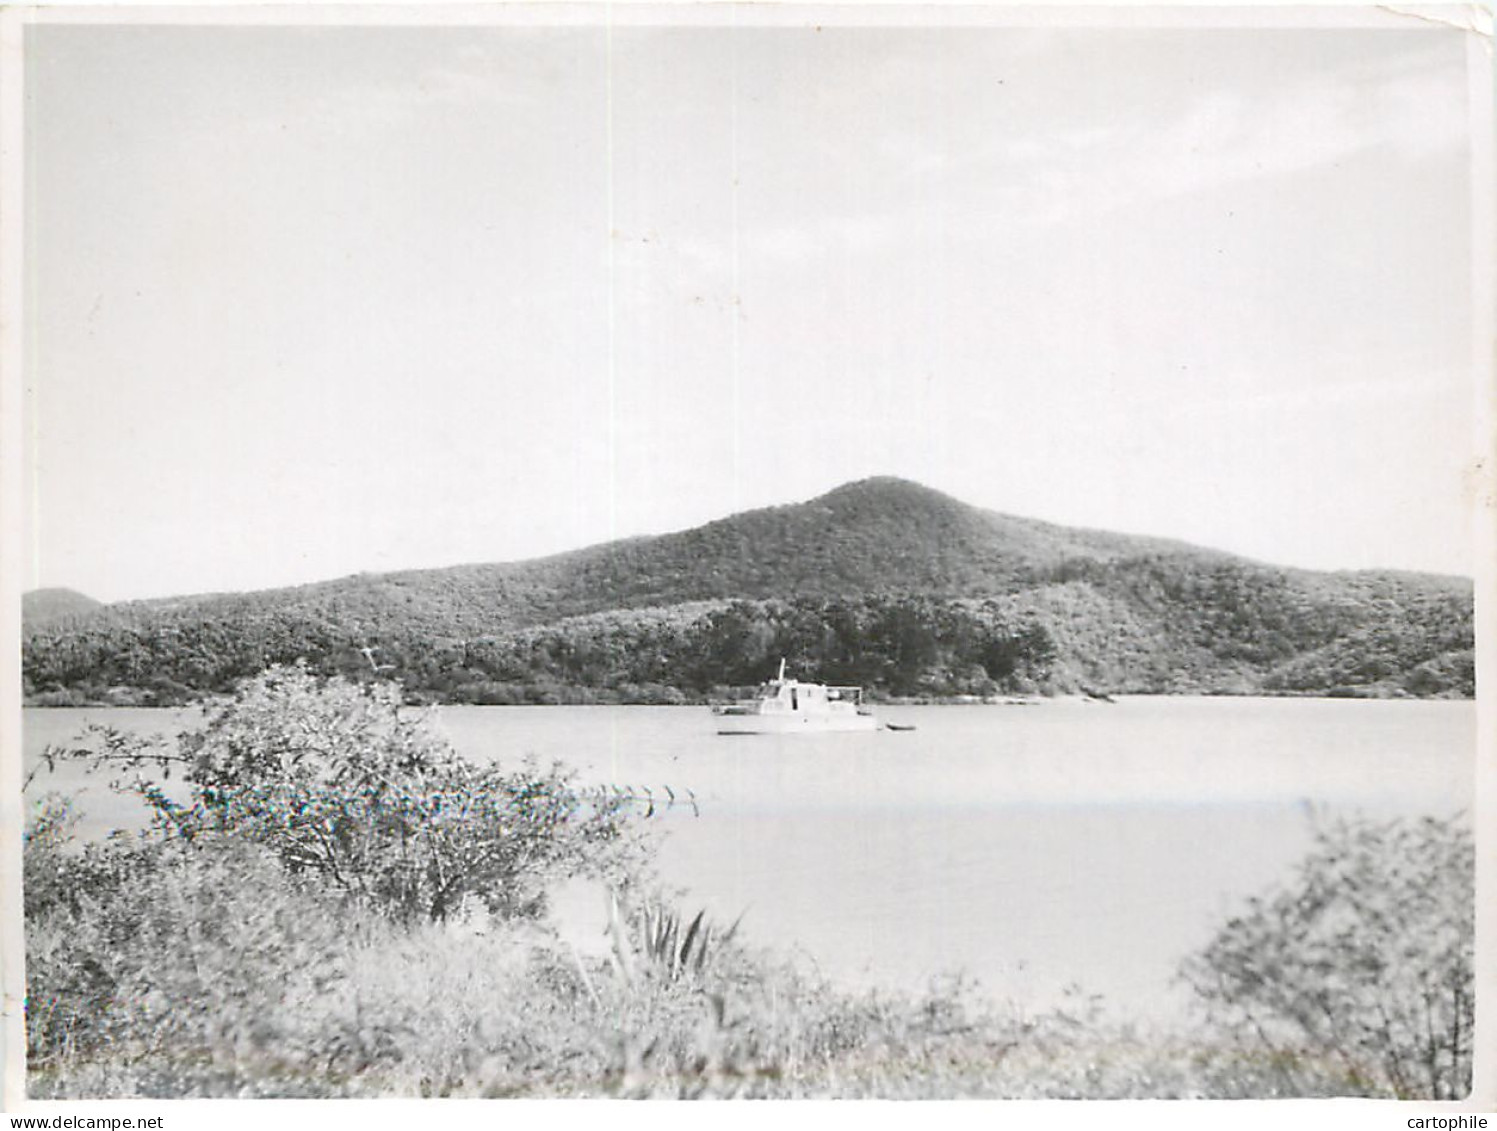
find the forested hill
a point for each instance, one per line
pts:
(881, 582)
(49, 608)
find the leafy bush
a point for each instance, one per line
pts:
(197, 976)
(341, 782)
(1365, 963)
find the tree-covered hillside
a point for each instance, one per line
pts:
(883, 583)
(44, 608)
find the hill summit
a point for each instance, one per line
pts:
(883, 582)
(44, 607)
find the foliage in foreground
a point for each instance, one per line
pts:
(209, 974)
(176, 969)
(342, 783)
(341, 907)
(1366, 960)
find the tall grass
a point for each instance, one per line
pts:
(212, 974)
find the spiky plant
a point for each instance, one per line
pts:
(662, 942)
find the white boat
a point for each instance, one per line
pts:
(787, 706)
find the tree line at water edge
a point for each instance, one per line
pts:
(1156, 625)
(895, 646)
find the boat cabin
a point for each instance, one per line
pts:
(792, 695)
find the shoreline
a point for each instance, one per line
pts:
(128, 700)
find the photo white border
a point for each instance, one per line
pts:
(1481, 500)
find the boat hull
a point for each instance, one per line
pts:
(794, 724)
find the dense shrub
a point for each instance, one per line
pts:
(174, 969)
(341, 782)
(1365, 962)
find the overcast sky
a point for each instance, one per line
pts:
(305, 302)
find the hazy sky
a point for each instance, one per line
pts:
(304, 302)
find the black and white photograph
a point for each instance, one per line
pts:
(748, 552)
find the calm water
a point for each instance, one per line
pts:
(1030, 847)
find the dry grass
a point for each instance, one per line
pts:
(225, 979)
